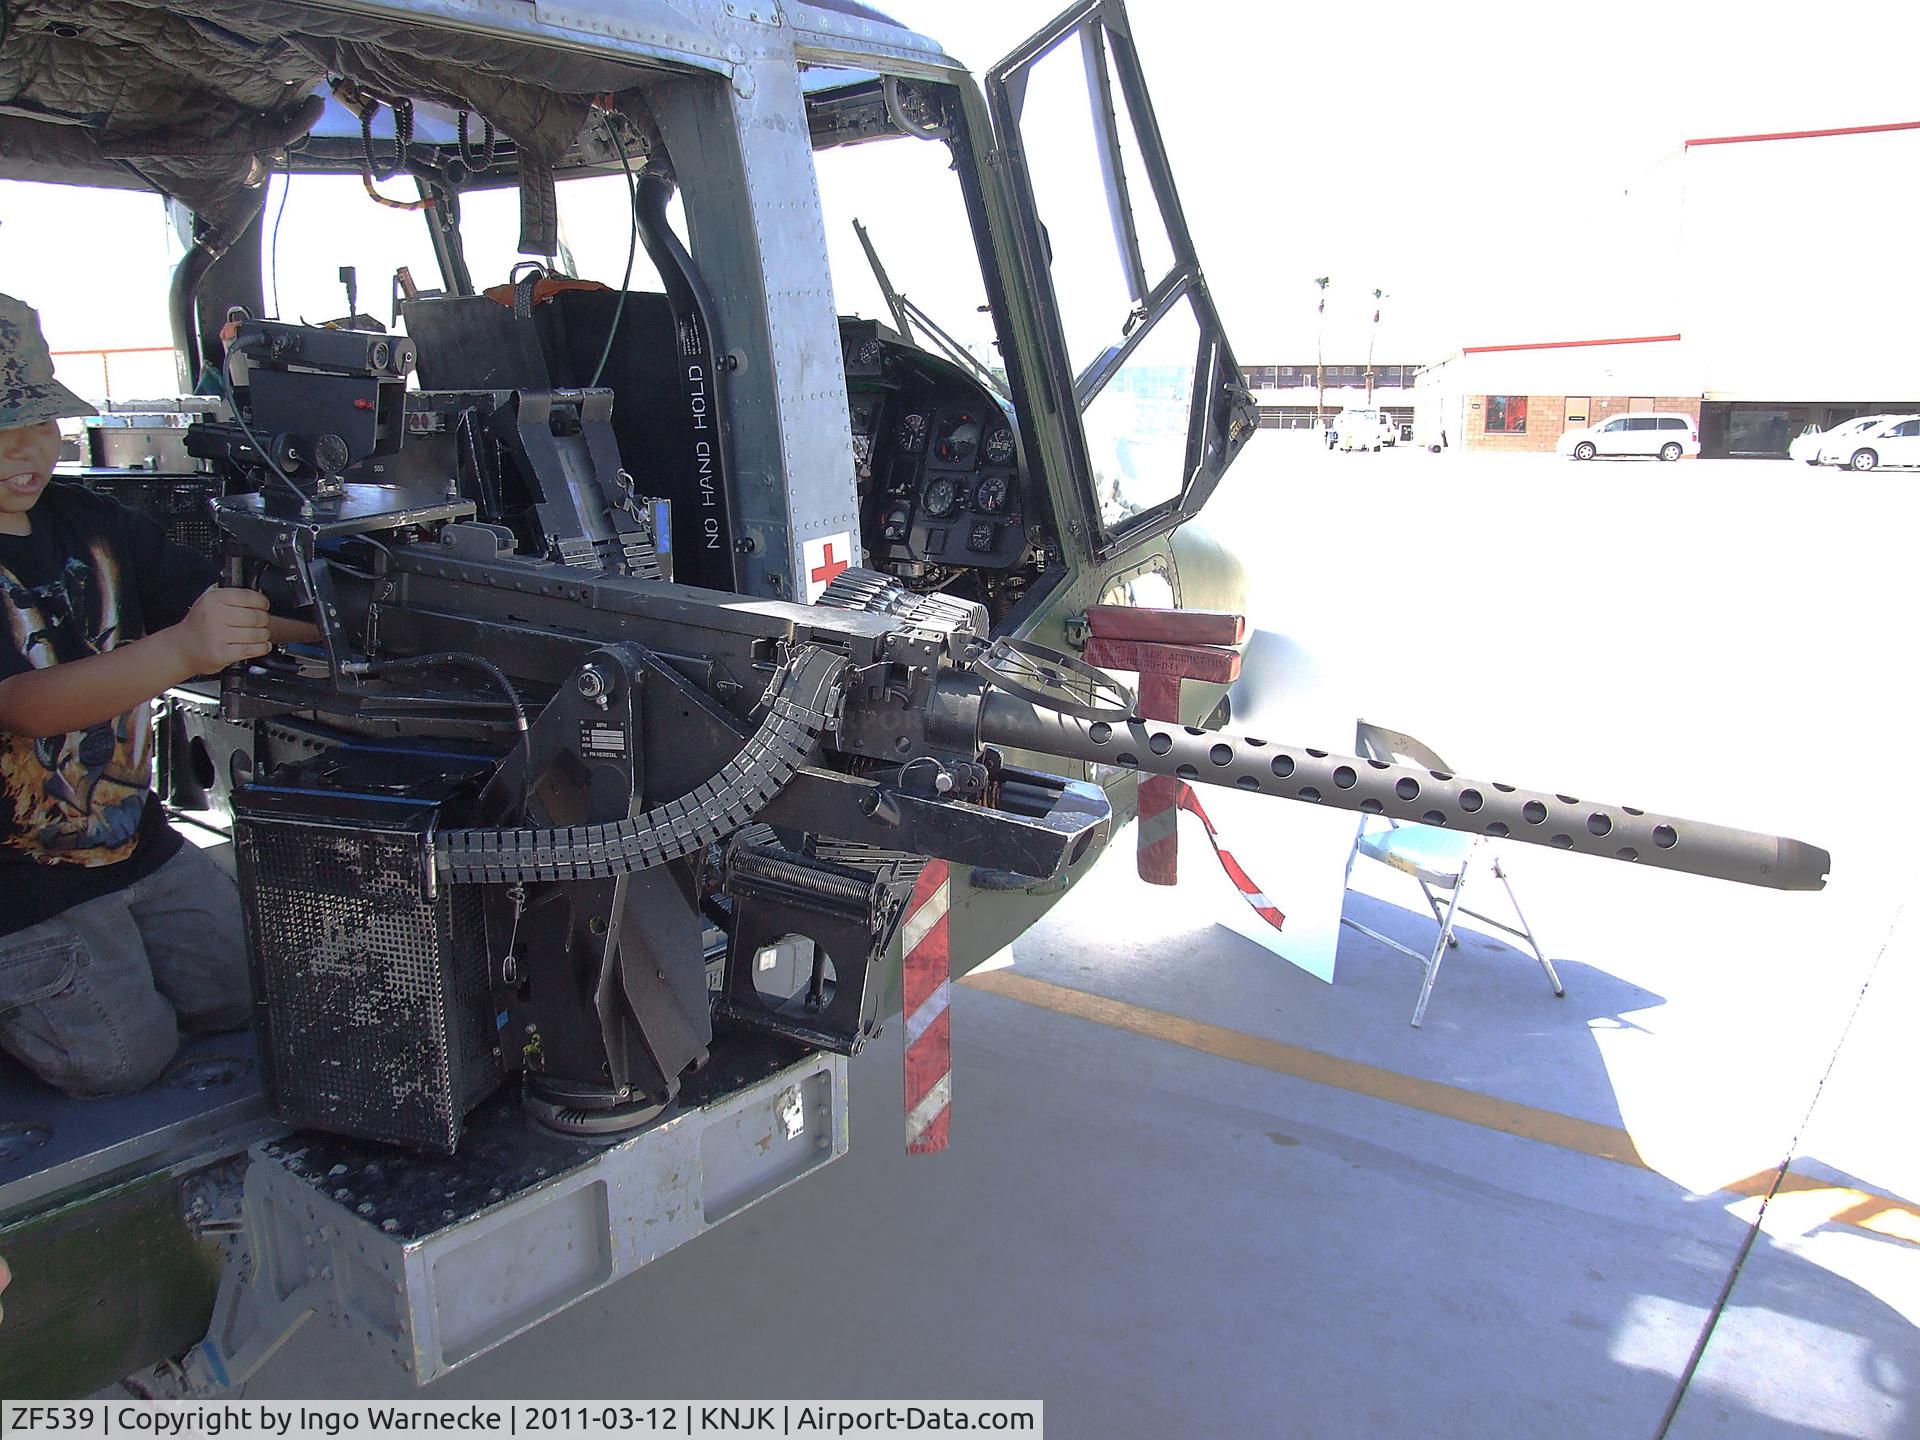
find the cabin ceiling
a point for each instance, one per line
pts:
(187, 97)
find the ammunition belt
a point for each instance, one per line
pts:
(799, 704)
(878, 593)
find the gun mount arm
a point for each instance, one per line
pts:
(1403, 792)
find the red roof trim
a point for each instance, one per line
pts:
(1567, 344)
(1805, 134)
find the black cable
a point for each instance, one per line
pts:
(499, 677)
(402, 136)
(482, 162)
(1719, 1308)
(459, 657)
(273, 251)
(233, 403)
(633, 243)
(368, 540)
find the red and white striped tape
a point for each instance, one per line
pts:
(1157, 851)
(926, 987)
(1242, 881)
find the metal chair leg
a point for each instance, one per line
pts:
(1440, 946)
(1553, 979)
(1434, 906)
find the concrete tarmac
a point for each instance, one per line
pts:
(1193, 1191)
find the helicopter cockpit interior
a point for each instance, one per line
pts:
(947, 484)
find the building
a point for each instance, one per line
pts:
(1522, 396)
(1800, 300)
(1788, 306)
(1289, 395)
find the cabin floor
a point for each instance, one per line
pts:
(1194, 1191)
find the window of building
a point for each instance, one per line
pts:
(1506, 415)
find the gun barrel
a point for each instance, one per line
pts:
(1403, 792)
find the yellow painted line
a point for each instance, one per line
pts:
(1821, 1199)
(1806, 1201)
(1549, 1127)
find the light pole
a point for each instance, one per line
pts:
(1320, 356)
(1378, 296)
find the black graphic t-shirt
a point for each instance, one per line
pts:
(77, 808)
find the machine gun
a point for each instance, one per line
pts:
(618, 804)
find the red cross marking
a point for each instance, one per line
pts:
(828, 567)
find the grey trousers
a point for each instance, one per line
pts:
(94, 1000)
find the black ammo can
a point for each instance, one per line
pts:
(370, 983)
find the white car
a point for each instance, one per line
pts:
(1885, 440)
(1365, 429)
(1667, 436)
(1808, 444)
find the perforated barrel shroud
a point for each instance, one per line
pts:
(371, 1000)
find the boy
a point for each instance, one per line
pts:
(114, 934)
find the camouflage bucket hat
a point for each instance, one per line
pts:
(28, 391)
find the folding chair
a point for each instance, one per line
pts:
(1437, 859)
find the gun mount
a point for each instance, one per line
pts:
(573, 807)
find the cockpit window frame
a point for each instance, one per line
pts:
(1220, 414)
(970, 144)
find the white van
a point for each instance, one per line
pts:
(1667, 436)
(1365, 429)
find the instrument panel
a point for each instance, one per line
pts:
(937, 456)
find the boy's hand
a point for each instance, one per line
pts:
(223, 626)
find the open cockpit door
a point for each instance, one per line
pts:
(1161, 404)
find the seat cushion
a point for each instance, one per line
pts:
(1426, 851)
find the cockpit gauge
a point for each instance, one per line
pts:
(941, 497)
(956, 440)
(999, 447)
(991, 497)
(912, 434)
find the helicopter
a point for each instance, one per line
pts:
(667, 635)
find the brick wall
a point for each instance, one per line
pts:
(1547, 418)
